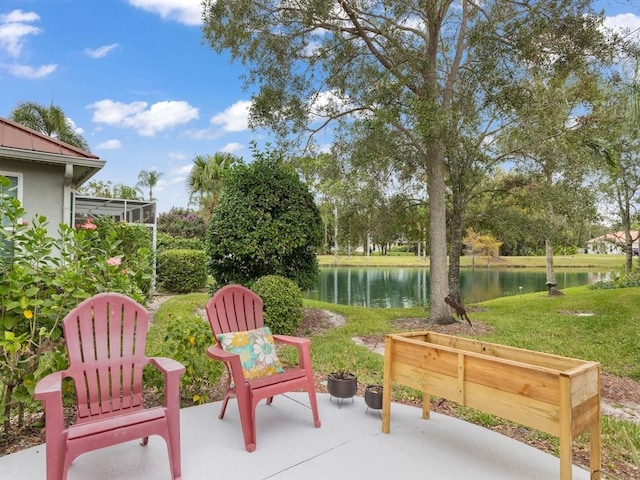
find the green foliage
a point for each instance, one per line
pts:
(282, 303)
(265, 224)
(131, 243)
(181, 271)
(41, 279)
(186, 340)
(182, 223)
(165, 241)
(623, 280)
(50, 120)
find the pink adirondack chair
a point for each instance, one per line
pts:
(105, 337)
(235, 308)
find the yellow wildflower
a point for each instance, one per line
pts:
(28, 314)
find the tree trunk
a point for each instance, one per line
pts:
(552, 284)
(8, 395)
(438, 310)
(455, 250)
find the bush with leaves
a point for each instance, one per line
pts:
(41, 279)
(165, 241)
(132, 244)
(186, 340)
(282, 303)
(182, 271)
(182, 223)
(622, 280)
(266, 223)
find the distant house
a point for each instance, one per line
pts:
(47, 173)
(613, 243)
(45, 170)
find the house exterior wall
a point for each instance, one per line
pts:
(612, 243)
(43, 189)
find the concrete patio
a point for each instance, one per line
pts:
(348, 445)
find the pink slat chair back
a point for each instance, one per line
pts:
(234, 308)
(106, 344)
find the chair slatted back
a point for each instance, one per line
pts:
(234, 308)
(105, 337)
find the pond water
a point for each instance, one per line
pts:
(409, 287)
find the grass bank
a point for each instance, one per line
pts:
(610, 262)
(599, 325)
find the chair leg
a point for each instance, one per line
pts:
(223, 409)
(172, 440)
(247, 419)
(314, 404)
(55, 463)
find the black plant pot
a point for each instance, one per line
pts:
(341, 387)
(373, 396)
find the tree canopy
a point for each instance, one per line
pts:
(49, 120)
(399, 65)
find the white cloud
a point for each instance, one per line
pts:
(146, 121)
(178, 155)
(26, 71)
(100, 52)
(14, 27)
(188, 12)
(231, 147)
(181, 171)
(173, 179)
(627, 22)
(109, 145)
(74, 127)
(235, 118)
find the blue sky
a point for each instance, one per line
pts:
(136, 79)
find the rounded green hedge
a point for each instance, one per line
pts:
(181, 271)
(282, 303)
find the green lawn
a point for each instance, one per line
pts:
(599, 325)
(560, 261)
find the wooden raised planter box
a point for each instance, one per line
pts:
(557, 395)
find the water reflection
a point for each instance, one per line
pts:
(409, 287)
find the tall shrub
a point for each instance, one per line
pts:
(265, 224)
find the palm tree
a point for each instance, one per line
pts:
(206, 179)
(126, 192)
(48, 120)
(148, 179)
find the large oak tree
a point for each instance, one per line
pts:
(397, 62)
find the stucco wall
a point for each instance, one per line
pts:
(43, 187)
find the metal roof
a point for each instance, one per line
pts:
(22, 143)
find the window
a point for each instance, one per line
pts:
(14, 190)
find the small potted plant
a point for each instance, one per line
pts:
(342, 384)
(373, 396)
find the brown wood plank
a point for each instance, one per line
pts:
(526, 411)
(585, 416)
(513, 378)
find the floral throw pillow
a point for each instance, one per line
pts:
(256, 349)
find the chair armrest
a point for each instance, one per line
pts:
(303, 345)
(231, 359)
(172, 371)
(167, 365)
(49, 391)
(49, 387)
(289, 340)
